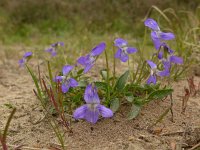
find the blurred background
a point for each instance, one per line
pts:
(41, 20)
(32, 25)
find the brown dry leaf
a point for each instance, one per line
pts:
(192, 86)
(185, 99)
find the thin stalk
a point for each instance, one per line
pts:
(57, 132)
(160, 118)
(114, 65)
(134, 76)
(3, 137)
(141, 71)
(51, 76)
(3, 143)
(108, 77)
(129, 68)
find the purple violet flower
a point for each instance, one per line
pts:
(92, 109)
(66, 83)
(89, 60)
(171, 58)
(123, 49)
(157, 35)
(155, 72)
(24, 59)
(52, 49)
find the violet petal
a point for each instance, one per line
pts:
(88, 67)
(91, 95)
(167, 36)
(151, 24)
(105, 112)
(66, 69)
(98, 49)
(65, 87)
(151, 79)
(156, 40)
(92, 115)
(151, 64)
(80, 112)
(131, 50)
(119, 42)
(176, 60)
(73, 82)
(27, 54)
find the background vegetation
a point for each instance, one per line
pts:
(28, 20)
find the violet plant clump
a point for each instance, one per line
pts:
(74, 92)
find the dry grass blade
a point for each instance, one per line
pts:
(153, 7)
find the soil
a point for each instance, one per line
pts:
(116, 133)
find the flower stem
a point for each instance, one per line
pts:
(130, 69)
(108, 79)
(114, 64)
(140, 74)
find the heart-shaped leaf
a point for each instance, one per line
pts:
(135, 109)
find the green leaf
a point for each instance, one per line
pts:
(160, 94)
(35, 80)
(135, 109)
(104, 74)
(80, 71)
(101, 85)
(120, 84)
(129, 97)
(114, 106)
(140, 101)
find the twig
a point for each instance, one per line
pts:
(25, 147)
(172, 133)
(195, 146)
(178, 132)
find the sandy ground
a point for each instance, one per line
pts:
(117, 133)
